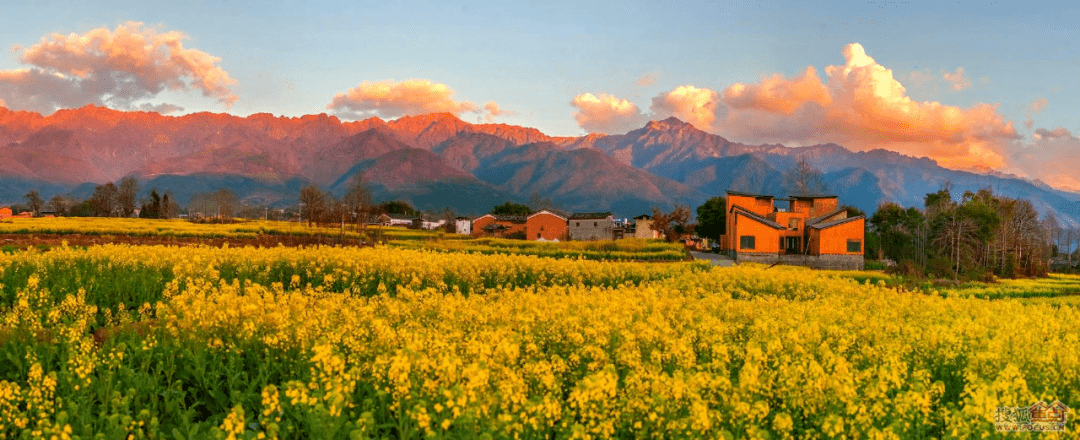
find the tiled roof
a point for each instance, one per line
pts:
(836, 222)
(590, 215)
(511, 218)
(545, 211)
(493, 227)
(746, 212)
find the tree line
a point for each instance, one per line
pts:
(978, 235)
(111, 199)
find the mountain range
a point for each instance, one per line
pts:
(437, 160)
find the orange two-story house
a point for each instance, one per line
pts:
(810, 230)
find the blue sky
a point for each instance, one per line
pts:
(534, 59)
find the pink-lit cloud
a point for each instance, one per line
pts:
(647, 80)
(778, 94)
(862, 106)
(956, 79)
(116, 68)
(1036, 107)
(606, 113)
(919, 78)
(492, 111)
(1050, 156)
(164, 109)
(391, 99)
(696, 106)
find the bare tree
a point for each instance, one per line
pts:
(225, 202)
(34, 202)
(103, 201)
(58, 204)
(450, 222)
(312, 201)
(804, 180)
(358, 201)
(125, 197)
(1052, 228)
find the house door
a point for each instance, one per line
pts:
(791, 245)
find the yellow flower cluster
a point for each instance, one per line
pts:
(181, 228)
(409, 344)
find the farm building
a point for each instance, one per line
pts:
(591, 226)
(463, 225)
(490, 225)
(810, 230)
(395, 220)
(546, 225)
(643, 227)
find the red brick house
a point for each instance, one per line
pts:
(546, 225)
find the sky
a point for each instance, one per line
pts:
(975, 85)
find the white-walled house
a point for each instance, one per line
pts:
(463, 225)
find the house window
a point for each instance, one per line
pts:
(594, 224)
(538, 235)
(746, 242)
(793, 224)
(854, 245)
(578, 224)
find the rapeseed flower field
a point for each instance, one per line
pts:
(121, 341)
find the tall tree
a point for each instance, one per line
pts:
(537, 203)
(103, 201)
(226, 203)
(58, 204)
(673, 224)
(712, 218)
(396, 207)
(151, 208)
(312, 201)
(804, 180)
(900, 231)
(34, 203)
(511, 209)
(125, 196)
(169, 207)
(358, 201)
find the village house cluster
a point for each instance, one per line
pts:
(812, 231)
(545, 225)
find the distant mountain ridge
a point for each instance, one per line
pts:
(437, 160)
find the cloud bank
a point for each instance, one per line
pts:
(607, 114)
(862, 106)
(1050, 156)
(688, 103)
(111, 68)
(858, 104)
(390, 99)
